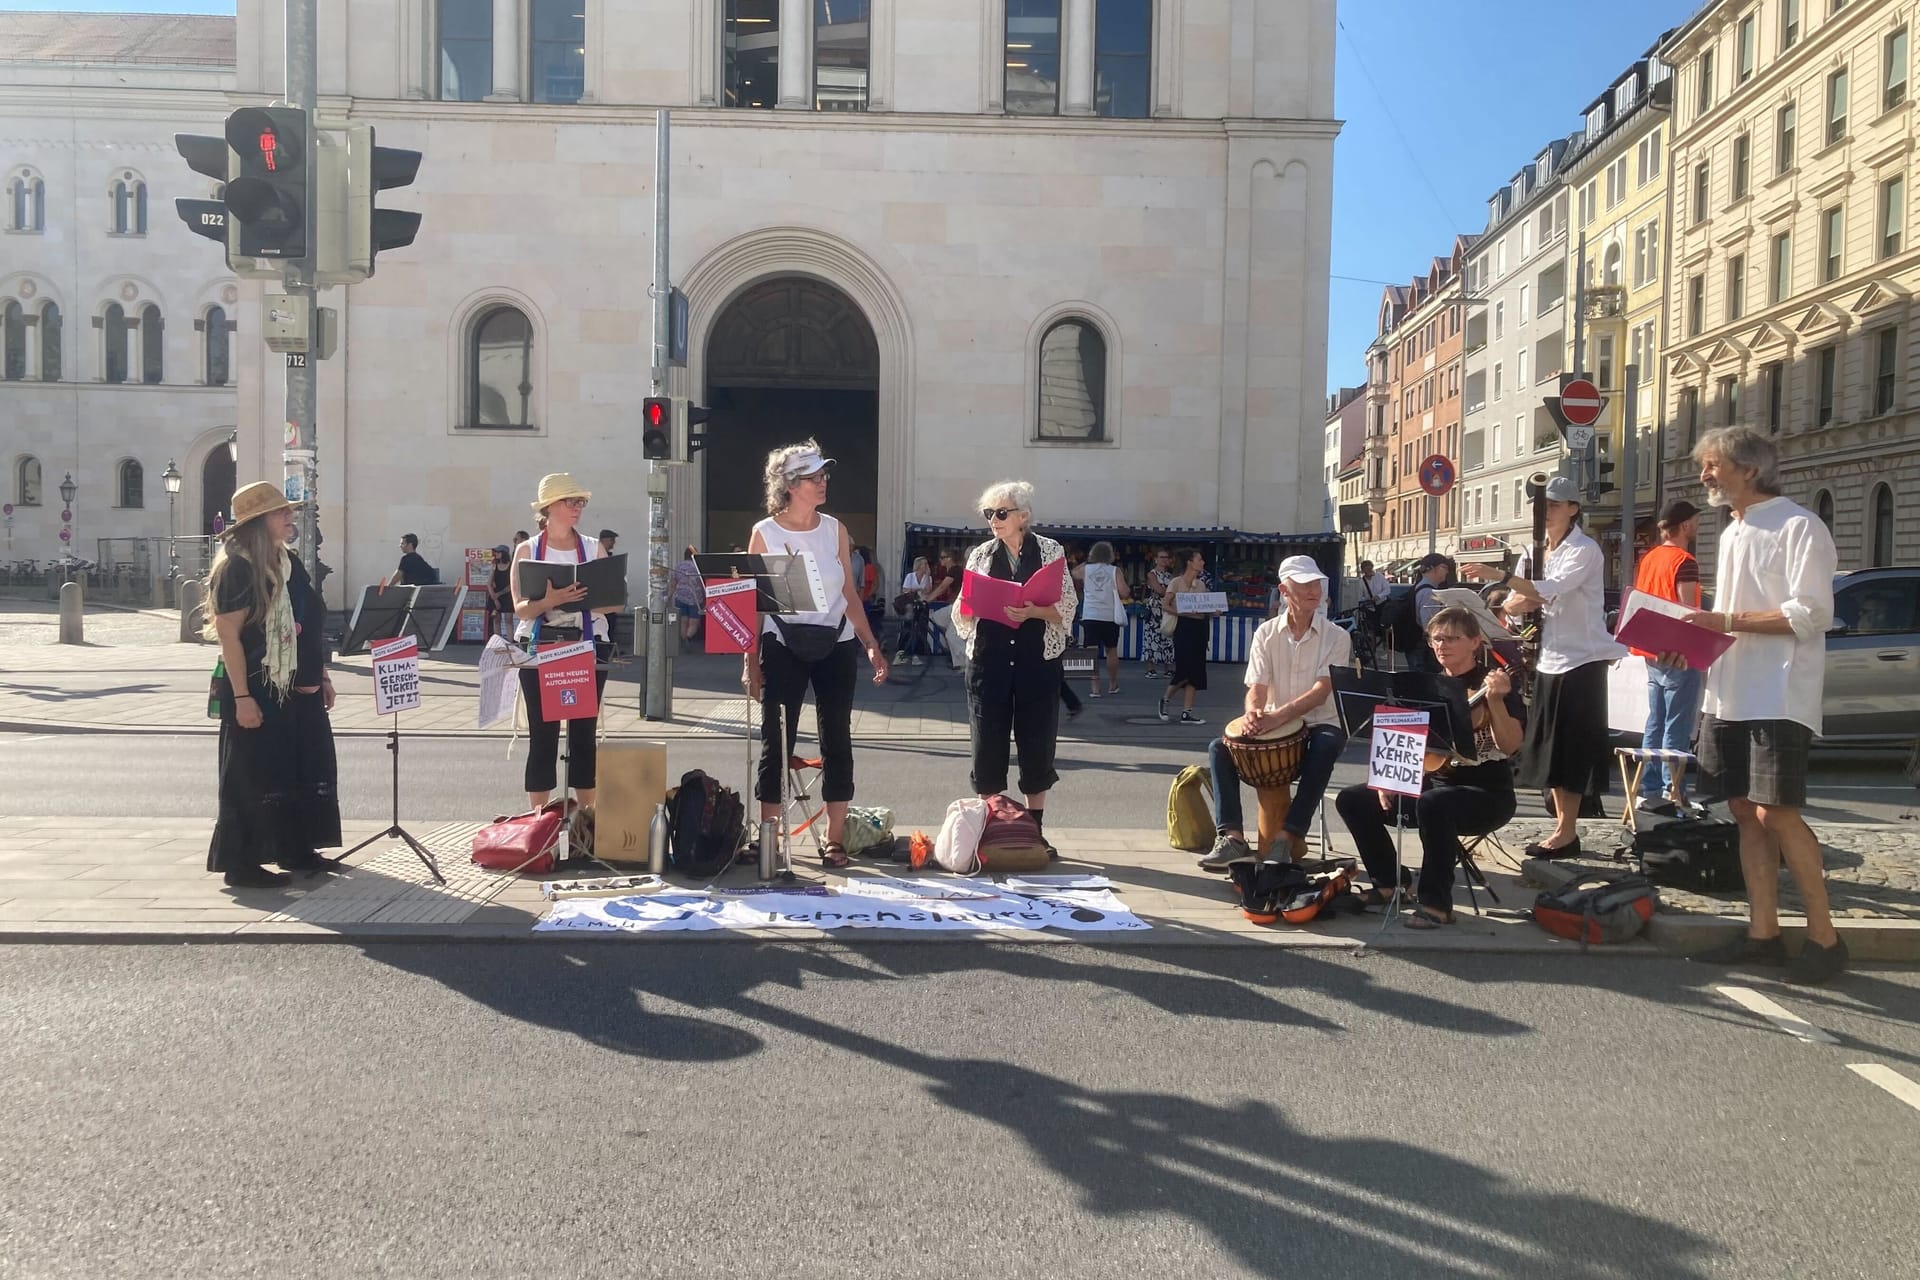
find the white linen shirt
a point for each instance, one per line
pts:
(1289, 667)
(1574, 615)
(1777, 555)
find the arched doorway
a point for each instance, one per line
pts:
(790, 357)
(218, 480)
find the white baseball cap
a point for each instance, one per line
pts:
(805, 463)
(1300, 569)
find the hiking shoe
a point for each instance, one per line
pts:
(1746, 950)
(1226, 851)
(1187, 717)
(1815, 963)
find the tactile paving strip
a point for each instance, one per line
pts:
(392, 886)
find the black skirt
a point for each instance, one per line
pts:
(1190, 637)
(278, 785)
(1567, 742)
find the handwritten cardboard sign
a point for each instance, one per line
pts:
(1396, 759)
(396, 675)
(1192, 602)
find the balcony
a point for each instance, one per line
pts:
(1606, 302)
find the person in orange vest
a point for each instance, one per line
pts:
(1670, 572)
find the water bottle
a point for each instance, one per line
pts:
(657, 837)
(769, 847)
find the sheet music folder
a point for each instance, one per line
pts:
(605, 579)
(1449, 724)
(782, 583)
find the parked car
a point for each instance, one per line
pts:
(1873, 656)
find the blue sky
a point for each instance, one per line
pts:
(1443, 101)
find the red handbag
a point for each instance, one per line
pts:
(521, 842)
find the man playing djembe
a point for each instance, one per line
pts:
(1290, 732)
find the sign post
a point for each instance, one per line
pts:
(1436, 477)
(1396, 766)
(396, 688)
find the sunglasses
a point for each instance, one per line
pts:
(998, 513)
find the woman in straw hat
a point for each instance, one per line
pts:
(277, 770)
(560, 618)
(821, 649)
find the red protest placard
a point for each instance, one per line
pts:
(733, 621)
(567, 690)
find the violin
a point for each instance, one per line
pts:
(1480, 714)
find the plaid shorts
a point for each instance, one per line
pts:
(1764, 761)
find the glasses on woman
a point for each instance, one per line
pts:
(1439, 638)
(998, 513)
(575, 503)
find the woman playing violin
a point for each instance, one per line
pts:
(1459, 797)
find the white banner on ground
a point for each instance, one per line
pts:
(934, 905)
(1396, 763)
(396, 675)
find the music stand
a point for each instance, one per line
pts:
(388, 615)
(782, 583)
(371, 619)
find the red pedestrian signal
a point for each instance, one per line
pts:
(656, 429)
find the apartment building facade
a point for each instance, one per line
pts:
(1794, 274)
(1345, 436)
(1516, 346)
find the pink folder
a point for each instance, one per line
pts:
(1657, 633)
(985, 597)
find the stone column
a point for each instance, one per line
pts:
(796, 55)
(1076, 58)
(509, 52)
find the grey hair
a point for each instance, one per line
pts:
(1017, 494)
(776, 475)
(1100, 553)
(1747, 449)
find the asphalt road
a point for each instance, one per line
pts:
(1105, 782)
(598, 1107)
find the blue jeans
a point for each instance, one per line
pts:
(1325, 742)
(1673, 701)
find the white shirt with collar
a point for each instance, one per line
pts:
(1775, 555)
(1289, 667)
(1574, 616)
(1376, 586)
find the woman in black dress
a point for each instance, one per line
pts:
(278, 776)
(1190, 635)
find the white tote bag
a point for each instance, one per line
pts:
(957, 847)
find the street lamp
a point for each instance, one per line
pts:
(233, 446)
(67, 489)
(170, 478)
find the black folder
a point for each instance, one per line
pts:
(605, 579)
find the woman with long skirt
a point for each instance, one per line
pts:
(1190, 635)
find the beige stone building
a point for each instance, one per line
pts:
(1793, 271)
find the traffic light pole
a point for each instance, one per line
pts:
(1629, 480)
(300, 444)
(660, 631)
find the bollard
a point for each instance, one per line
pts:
(159, 591)
(193, 594)
(73, 607)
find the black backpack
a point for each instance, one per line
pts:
(708, 821)
(1400, 617)
(1700, 855)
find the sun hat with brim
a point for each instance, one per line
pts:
(252, 501)
(557, 486)
(805, 463)
(1470, 600)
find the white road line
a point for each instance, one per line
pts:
(1890, 1080)
(1785, 1019)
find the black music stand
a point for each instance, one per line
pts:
(370, 620)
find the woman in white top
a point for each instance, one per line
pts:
(1103, 611)
(809, 648)
(560, 619)
(915, 641)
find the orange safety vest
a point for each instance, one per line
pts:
(1659, 575)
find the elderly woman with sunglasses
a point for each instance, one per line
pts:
(1014, 662)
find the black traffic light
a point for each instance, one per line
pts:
(267, 191)
(656, 429)
(686, 416)
(385, 168)
(209, 158)
(1602, 468)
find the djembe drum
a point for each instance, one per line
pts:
(1268, 761)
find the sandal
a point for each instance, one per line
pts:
(1374, 897)
(1425, 917)
(834, 854)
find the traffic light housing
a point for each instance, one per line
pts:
(269, 182)
(686, 416)
(1602, 468)
(656, 429)
(210, 158)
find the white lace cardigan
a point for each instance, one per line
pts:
(980, 560)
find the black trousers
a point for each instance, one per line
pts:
(1017, 696)
(1443, 813)
(783, 686)
(543, 735)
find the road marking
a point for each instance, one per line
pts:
(1890, 1080)
(1785, 1019)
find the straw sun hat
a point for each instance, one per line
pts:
(557, 486)
(255, 500)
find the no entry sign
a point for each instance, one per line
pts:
(1580, 403)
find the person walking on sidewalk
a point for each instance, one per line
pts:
(1669, 572)
(278, 776)
(1156, 645)
(1103, 611)
(1014, 667)
(1773, 592)
(1288, 679)
(1190, 636)
(819, 648)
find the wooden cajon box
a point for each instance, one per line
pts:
(632, 779)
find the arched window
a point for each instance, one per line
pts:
(150, 349)
(1882, 529)
(113, 337)
(132, 484)
(13, 321)
(500, 370)
(1613, 265)
(1073, 383)
(217, 346)
(129, 206)
(49, 342)
(1823, 507)
(27, 202)
(26, 482)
